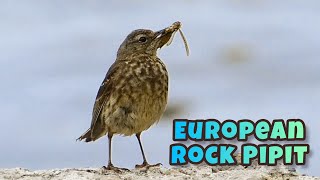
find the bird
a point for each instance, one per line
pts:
(134, 93)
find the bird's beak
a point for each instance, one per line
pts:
(166, 35)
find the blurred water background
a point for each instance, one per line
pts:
(249, 59)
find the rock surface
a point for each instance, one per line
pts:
(190, 172)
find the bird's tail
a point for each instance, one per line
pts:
(86, 136)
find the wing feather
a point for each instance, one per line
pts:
(103, 94)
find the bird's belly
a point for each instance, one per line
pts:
(136, 111)
(149, 110)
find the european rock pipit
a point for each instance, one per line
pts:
(134, 93)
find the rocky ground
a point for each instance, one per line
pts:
(190, 172)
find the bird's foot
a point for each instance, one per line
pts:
(110, 167)
(146, 165)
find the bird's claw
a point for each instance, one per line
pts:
(147, 165)
(110, 167)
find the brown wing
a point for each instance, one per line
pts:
(103, 94)
(101, 99)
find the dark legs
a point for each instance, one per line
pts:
(145, 163)
(110, 165)
(110, 138)
(143, 156)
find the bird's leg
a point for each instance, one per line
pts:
(145, 163)
(110, 165)
(110, 139)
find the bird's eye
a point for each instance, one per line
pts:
(142, 39)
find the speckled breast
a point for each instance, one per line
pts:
(141, 98)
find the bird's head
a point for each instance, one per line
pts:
(145, 41)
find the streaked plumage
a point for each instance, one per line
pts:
(133, 95)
